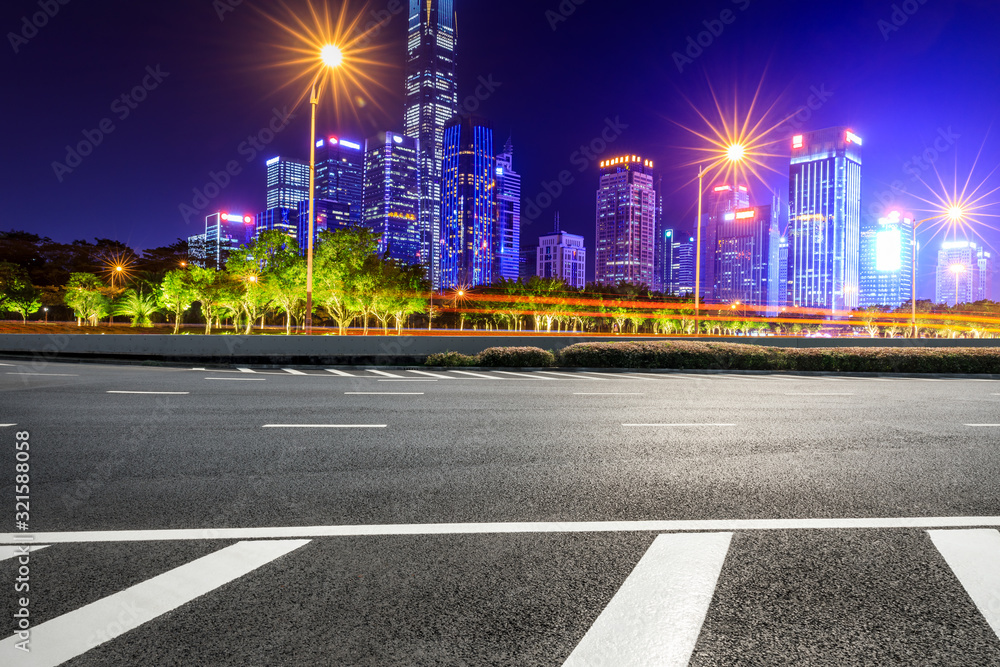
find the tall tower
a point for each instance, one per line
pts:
(469, 204)
(746, 263)
(507, 245)
(287, 182)
(392, 195)
(886, 261)
(824, 224)
(626, 221)
(431, 101)
(720, 202)
(340, 165)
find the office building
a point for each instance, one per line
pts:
(392, 195)
(721, 201)
(562, 256)
(431, 101)
(287, 182)
(663, 278)
(508, 230)
(626, 221)
(469, 204)
(329, 216)
(886, 268)
(964, 273)
(224, 232)
(340, 166)
(528, 264)
(782, 272)
(682, 270)
(824, 226)
(746, 259)
(284, 220)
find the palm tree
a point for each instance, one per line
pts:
(138, 307)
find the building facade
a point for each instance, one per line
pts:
(626, 221)
(431, 101)
(287, 182)
(663, 275)
(746, 260)
(508, 230)
(329, 216)
(824, 226)
(340, 166)
(887, 262)
(964, 273)
(468, 203)
(562, 256)
(392, 195)
(224, 232)
(284, 220)
(720, 202)
(682, 271)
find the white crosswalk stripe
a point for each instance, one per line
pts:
(384, 374)
(974, 557)
(437, 376)
(477, 375)
(529, 376)
(246, 370)
(339, 373)
(292, 371)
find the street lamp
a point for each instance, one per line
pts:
(958, 270)
(46, 310)
(332, 57)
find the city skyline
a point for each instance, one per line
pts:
(947, 127)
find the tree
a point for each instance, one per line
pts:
(176, 295)
(338, 265)
(17, 294)
(209, 288)
(138, 307)
(88, 297)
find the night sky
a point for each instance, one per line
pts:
(900, 84)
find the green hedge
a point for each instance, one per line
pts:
(731, 356)
(516, 357)
(451, 359)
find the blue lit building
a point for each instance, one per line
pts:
(330, 216)
(431, 101)
(886, 262)
(340, 166)
(721, 201)
(287, 182)
(284, 220)
(682, 269)
(392, 195)
(824, 225)
(747, 256)
(468, 204)
(508, 229)
(663, 275)
(224, 232)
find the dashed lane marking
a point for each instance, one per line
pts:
(153, 393)
(292, 371)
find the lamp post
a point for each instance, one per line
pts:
(332, 57)
(46, 310)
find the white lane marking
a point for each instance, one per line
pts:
(324, 426)
(72, 634)
(608, 393)
(292, 371)
(477, 375)
(649, 526)
(407, 380)
(803, 393)
(436, 376)
(994, 394)
(198, 369)
(685, 425)
(153, 393)
(7, 425)
(383, 393)
(566, 376)
(982, 425)
(55, 375)
(239, 379)
(11, 551)
(655, 617)
(974, 557)
(384, 374)
(528, 376)
(11, 365)
(246, 370)
(340, 373)
(617, 376)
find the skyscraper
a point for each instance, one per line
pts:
(746, 261)
(284, 220)
(562, 255)
(431, 101)
(964, 273)
(663, 276)
(508, 230)
(224, 232)
(886, 262)
(469, 203)
(626, 221)
(824, 225)
(340, 166)
(683, 267)
(329, 216)
(287, 182)
(392, 195)
(721, 201)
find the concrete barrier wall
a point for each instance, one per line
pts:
(385, 350)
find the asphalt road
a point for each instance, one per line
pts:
(491, 518)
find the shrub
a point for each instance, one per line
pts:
(451, 359)
(516, 357)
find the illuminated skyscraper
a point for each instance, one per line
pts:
(284, 220)
(886, 262)
(626, 221)
(431, 101)
(469, 204)
(340, 166)
(330, 216)
(721, 201)
(508, 231)
(964, 273)
(663, 276)
(563, 256)
(746, 260)
(392, 195)
(224, 232)
(824, 225)
(287, 182)
(682, 271)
